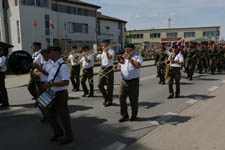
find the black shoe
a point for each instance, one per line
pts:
(43, 120)
(91, 95)
(55, 137)
(133, 119)
(124, 118)
(66, 140)
(4, 106)
(74, 90)
(164, 83)
(171, 96)
(77, 90)
(34, 98)
(177, 96)
(190, 79)
(160, 82)
(107, 104)
(85, 95)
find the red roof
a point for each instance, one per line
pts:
(81, 3)
(104, 17)
(5, 45)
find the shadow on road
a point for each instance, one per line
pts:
(75, 108)
(147, 105)
(198, 97)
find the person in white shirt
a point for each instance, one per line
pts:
(176, 61)
(129, 86)
(75, 70)
(3, 92)
(87, 61)
(106, 73)
(58, 114)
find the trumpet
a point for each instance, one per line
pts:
(121, 58)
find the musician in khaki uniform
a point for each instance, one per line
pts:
(106, 73)
(87, 61)
(176, 61)
(3, 92)
(129, 86)
(58, 114)
(75, 70)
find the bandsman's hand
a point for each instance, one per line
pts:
(34, 65)
(118, 67)
(47, 85)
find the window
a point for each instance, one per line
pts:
(155, 35)
(77, 27)
(189, 34)
(31, 2)
(69, 10)
(16, 2)
(18, 31)
(171, 35)
(136, 36)
(209, 33)
(24, 2)
(39, 3)
(47, 26)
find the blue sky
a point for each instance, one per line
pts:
(148, 14)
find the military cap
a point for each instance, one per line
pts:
(130, 45)
(44, 51)
(106, 41)
(85, 47)
(54, 48)
(36, 44)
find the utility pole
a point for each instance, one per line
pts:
(169, 23)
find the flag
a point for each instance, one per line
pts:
(51, 25)
(181, 45)
(34, 23)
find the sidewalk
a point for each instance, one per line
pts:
(13, 81)
(204, 131)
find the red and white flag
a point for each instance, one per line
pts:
(51, 25)
(34, 23)
(181, 43)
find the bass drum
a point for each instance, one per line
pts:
(19, 62)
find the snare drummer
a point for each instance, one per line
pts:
(58, 114)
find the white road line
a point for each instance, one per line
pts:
(191, 101)
(213, 88)
(116, 146)
(154, 123)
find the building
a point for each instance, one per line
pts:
(153, 37)
(3, 22)
(56, 22)
(112, 29)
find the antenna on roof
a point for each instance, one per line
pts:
(169, 23)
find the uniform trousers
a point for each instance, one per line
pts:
(3, 92)
(87, 74)
(174, 74)
(129, 88)
(106, 77)
(75, 74)
(58, 114)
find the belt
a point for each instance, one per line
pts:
(110, 67)
(60, 91)
(88, 68)
(175, 67)
(131, 80)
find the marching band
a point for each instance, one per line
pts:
(49, 72)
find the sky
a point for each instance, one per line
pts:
(149, 14)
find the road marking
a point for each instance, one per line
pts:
(116, 146)
(191, 101)
(154, 123)
(213, 88)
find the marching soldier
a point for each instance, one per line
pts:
(34, 83)
(220, 58)
(58, 114)
(106, 73)
(176, 61)
(161, 57)
(201, 58)
(3, 92)
(190, 55)
(87, 61)
(75, 70)
(129, 86)
(213, 59)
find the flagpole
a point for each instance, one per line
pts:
(33, 31)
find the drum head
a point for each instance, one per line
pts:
(19, 62)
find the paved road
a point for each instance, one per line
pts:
(96, 127)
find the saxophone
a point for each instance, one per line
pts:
(167, 62)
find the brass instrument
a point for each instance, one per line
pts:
(121, 58)
(168, 62)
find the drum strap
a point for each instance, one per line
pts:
(57, 72)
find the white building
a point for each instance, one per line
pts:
(75, 23)
(112, 29)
